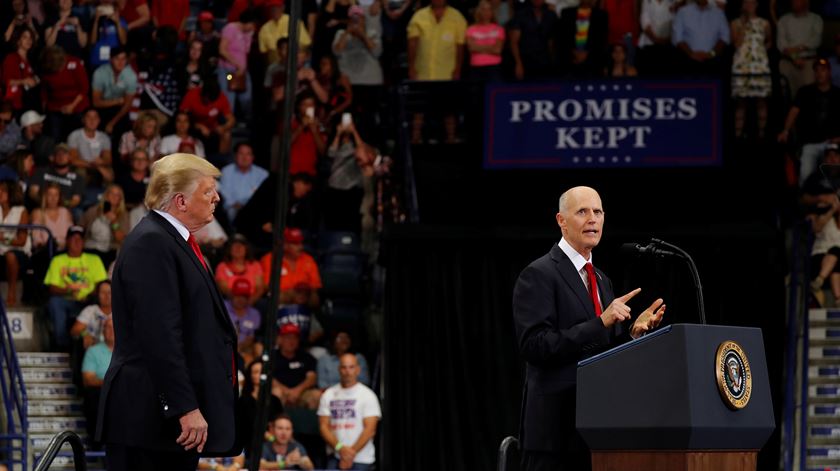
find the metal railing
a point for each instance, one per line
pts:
(79, 462)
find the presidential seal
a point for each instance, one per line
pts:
(734, 379)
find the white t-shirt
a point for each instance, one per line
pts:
(89, 148)
(347, 407)
(93, 317)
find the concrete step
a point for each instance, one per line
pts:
(51, 375)
(824, 411)
(821, 373)
(56, 424)
(44, 359)
(51, 392)
(822, 467)
(826, 353)
(824, 391)
(823, 333)
(69, 407)
(824, 431)
(824, 453)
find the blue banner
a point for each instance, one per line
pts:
(601, 124)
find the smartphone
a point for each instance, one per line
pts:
(346, 119)
(310, 112)
(105, 10)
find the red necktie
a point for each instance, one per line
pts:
(593, 288)
(197, 250)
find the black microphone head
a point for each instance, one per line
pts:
(631, 248)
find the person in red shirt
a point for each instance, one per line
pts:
(139, 18)
(19, 78)
(172, 13)
(207, 105)
(299, 269)
(309, 141)
(64, 91)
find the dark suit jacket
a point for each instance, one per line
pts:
(556, 327)
(174, 346)
(596, 44)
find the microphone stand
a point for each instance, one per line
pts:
(695, 275)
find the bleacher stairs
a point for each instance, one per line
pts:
(54, 404)
(822, 442)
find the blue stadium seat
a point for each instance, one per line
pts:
(330, 241)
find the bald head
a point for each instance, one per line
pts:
(581, 218)
(348, 369)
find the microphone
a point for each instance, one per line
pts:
(650, 249)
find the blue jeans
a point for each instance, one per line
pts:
(810, 159)
(62, 310)
(244, 98)
(332, 463)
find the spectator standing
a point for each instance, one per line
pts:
(71, 277)
(212, 116)
(173, 143)
(90, 325)
(582, 40)
(308, 137)
(622, 21)
(333, 17)
(655, 52)
(338, 92)
(800, 34)
(114, 87)
(32, 137)
(343, 197)
(328, 365)
(485, 40)
(144, 135)
(109, 32)
(66, 30)
(15, 245)
(106, 224)
(172, 13)
(194, 68)
(349, 413)
(277, 27)
(701, 33)
(238, 263)
(295, 380)
(436, 42)
(94, 366)
(298, 268)
(64, 91)
(283, 452)
(9, 130)
(532, 33)
(90, 149)
(207, 35)
(240, 179)
(161, 90)
(816, 114)
(232, 72)
(396, 15)
(21, 17)
(59, 171)
(618, 65)
(18, 77)
(245, 319)
(139, 22)
(751, 79)
(246, 405)
(53, 215)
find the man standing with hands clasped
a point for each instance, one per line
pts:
(170, 390)
(560, 319)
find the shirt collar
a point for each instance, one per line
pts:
(577, 259)
(178, 225)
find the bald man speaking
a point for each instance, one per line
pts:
(564, 310)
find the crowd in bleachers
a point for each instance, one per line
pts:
(92, 92)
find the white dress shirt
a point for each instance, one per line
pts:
(178, 225)
(579, 262)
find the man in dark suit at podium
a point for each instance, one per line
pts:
(170, 390)
(561, 320)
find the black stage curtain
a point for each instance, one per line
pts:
(452, 374)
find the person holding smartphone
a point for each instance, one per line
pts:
(344, 191)
(106, 224)
(309, 140)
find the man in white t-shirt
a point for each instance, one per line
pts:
(90, 149)
(348, 414)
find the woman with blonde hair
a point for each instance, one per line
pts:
(106, 224)
(53, 215)
(145, 134)
(485, 40)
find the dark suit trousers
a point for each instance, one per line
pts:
(555, 461)
(119, 457)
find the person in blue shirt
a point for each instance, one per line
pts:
(108, 31)
(328, 364)
(240, 179)
(94, 365)
(700, 32)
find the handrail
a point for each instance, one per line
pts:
(30, 227)
(14, 400)
(503, 451)
(55, 446)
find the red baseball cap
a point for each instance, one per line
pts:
(242, 287)
(289, 329)
(293, 235)
(205, 16)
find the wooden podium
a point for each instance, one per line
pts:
(687, 397)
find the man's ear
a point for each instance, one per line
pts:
(561, 220)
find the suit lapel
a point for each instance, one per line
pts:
(220, 311)
(572, 279)
(607, 295)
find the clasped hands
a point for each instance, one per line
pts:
(619, 311)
